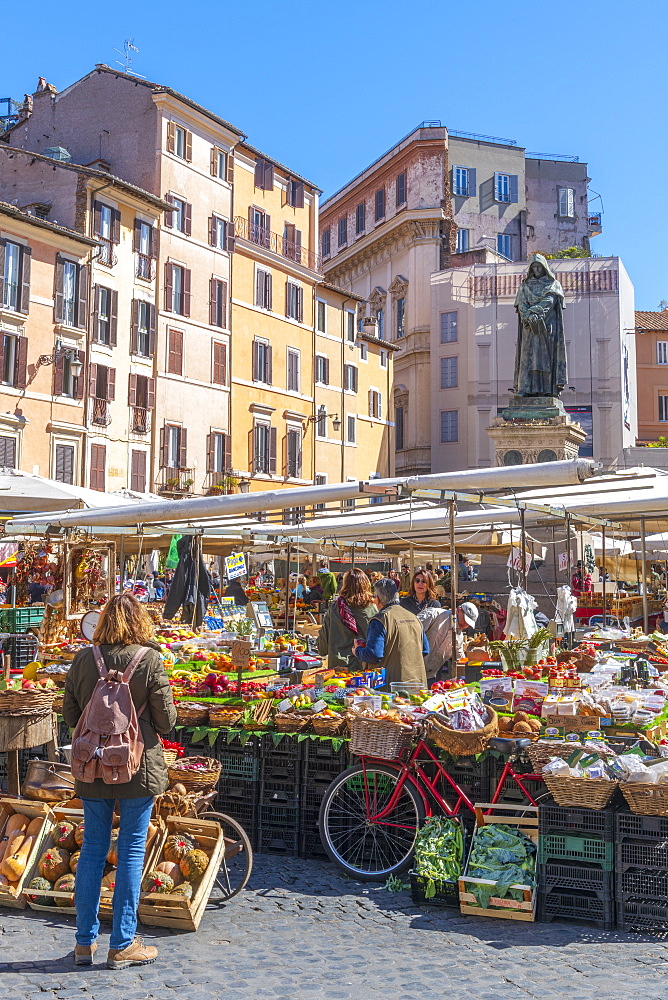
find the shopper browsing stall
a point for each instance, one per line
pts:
(421, 593)
(394, 638)
(346, 620)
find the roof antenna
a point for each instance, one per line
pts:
(128, 47)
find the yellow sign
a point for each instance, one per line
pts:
(235, 565)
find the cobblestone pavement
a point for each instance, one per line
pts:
(302, 931)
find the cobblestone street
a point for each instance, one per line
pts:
(300, 930)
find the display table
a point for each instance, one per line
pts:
(23, 732)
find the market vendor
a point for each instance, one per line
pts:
(581, 582)
(394, 638)
(328, 581)
(235, 589)
(421, 593)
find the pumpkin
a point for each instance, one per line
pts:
(74, 861)
(184, 889)
(79, 834)
(156, 881)
(41, 883)
(109, 882)
(3, 881)
(193, 864)
(112, 856)
(54, 863)
(63, 835)
(13, 836)
(172, 869)
(14, 865)
(176, 846)
(179, 789)
(64, 884)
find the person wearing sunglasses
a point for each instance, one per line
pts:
(421, 593)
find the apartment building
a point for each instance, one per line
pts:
(115, 303)
(473, 337)
(652, 375)
(44, 271)
(427, 204)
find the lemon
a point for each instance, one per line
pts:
(30, 670)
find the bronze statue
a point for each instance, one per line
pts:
(540, 358)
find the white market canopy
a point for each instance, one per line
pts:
(21, 491)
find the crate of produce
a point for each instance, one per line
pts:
(556, 846)
(578, 821)
(22, 650)
(632, 826)
(440, 853)
(433, 892)
(642, 915)
(21, 619)
(24, 827)
(520, 902)
(199, 866)
(643, 882)
(641, 854)
(582, 876)
(568, 904)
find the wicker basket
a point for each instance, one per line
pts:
(194, 781)
(190, 713)
(462, 743)
(26, 702)
(220, 716)
(582, 793)
(379, 738)
(328, 726)
(171, 756)
(542, 752)
(646, 800)
(292, 722)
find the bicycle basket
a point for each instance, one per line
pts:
(459, 742)
(379, 738)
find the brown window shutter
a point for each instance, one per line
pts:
(300, 304)
(214, 161)
(186, 291)
(256, 361)
(268, 291)
(154, 242)
(259, 173)
(326, 371)
(189, 146)
(223, 296)
(111, 384)
(79, 381)
(134, 327)
(113, 318)
(136, 235)
(175, 353)
(298, 246)
(167, 217)
(132, 390)
(213, 283)
(92, 380)
(230, 241)
(2, 269)
(299, 194)
(210, 452)
(138, 472)
(171, 134)
(169, 286)
(58, 373)
(187, 218)
(272, 449)
(219, 363)
(96, 313)
(355, 374)
(2, 352)
(151, 330)
(97, 466)
(371, 406)
(268, 176)
(82, 289)
(230, 167)
(97, 217)
(227, 452)
(183, 448)
(212, 230)
(163, 447)
(150, 393)
(270, 366)
(115, 226)
(24, 298)
(59, 311)
(21, 364)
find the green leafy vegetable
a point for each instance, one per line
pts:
(439, 852)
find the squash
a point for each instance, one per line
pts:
(79, 834)
(65, 884)
(193, 864)
(53, 864)
(63, 835)
(41, 883)
(156, 881)
(74, 861)
(15, 865)
(176, 846)
(109, 882)
(184, 889)
(112, 856)
(172, 869)
(13, 835)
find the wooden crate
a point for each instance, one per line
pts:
(164, 910)
(505, 908)
(13, 895)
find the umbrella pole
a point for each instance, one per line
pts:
(645, 614)
(603, 549)
(523, 552)
(121, 562)
(287, 591)
(453, 587)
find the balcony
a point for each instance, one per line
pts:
(140, 420)
(594, 223)
(106, 254)
(218, 483)
(176, 482)
(276, 243)
(99, 412)
(144, 269)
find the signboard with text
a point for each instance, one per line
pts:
(235, 565)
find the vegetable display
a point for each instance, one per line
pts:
(439, 852)
(506, 857)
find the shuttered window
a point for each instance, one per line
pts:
(504, 245)
(219, 363)
(7, 452)
(263, 289)
(98, 463)
(71, 293)
(350, 378)
(400, 315)
(218, 302)
(138, 471)
(142, 329)
(380, 204)
(175, 352)
(293, 453)
(343, 231)
(177, 289)
(351, 430)
(663, 409)
(566, 202)
(321, 364)
(449, 373)
(295, 194)
(326, 242)
(13, 360)
(264, 448)
(294, 301)
(293, 371)
(463, 182)
(105, 317)
(449, 328)
(179, 141)
(401, 189)
(350, 327)
(262, 362)
(15, 262)
(360, 218)
(375, 404)
(264, 175)
(462, 240)
(64, 461)
(399, 425)
(662, 352)
(506, 188)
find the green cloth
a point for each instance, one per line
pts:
(172, 560)
(328, 581)
(335, 640)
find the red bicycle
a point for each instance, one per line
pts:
(371, 813)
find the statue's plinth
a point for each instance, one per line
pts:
(535, 429)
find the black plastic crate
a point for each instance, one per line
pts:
(322, 763)
(312, 796)
(281, 771)
(473, 777)
(24, 757)
(311, 846)
(637, 854)
(280, 792)
(237, 794)
(645, 882)
(277, 840)
(22, 649)
(594, 908)
(288, 747)
(237, 760)
(581, 822)
(582, 877)
(278, 815)
(630, 825)
(445, 894)
(642, 915)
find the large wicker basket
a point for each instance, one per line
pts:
(379, 738)
(194, 781)
(646, 800)
(542, 752)
(292, 722)
(26, 702)
(582, 793)
(462, 743)
(327, 726)
(221, 716)
(190, 713)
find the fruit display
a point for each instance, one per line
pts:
(176, 846)
(54, 863)
(177, 874)
(520, 724)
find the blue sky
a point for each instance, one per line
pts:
(326, 88)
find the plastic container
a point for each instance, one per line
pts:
(20, 619)
(596, 908)
(582, 877)
(633, 826)
(635, 854)
(22, 650)
(581, 822)
(634, 882)
(446, 894)
(642, 914)
(553, 846)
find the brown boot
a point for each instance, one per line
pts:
(83, 953)
(136, 953)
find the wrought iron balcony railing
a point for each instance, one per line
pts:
(276, 243)
(99, 412)
(144, 267)
(140, 420)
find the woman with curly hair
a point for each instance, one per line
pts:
(421, 593)
(346, 620)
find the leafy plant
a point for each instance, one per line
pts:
(568, 253)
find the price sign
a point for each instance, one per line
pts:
(514, 560)
(563, 562)
(235, 565)
(574, 723)
(241, 649)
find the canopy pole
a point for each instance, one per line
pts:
(121, 561)
(645, 614)
(569, 564)
(287, 590)
(453, 587)
(523, 551)
(603, 550)
(411, 559)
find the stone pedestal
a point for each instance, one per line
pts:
(535, 429)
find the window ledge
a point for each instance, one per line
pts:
(70, 331)
(13, 317)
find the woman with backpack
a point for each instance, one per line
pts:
(119, 683)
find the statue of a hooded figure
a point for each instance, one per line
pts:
(540, 359)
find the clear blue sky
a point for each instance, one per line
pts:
(326, 88)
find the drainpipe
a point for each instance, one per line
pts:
(343, 394)
(314, 408)
(229, 311)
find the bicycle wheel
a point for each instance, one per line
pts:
(368, 849)
(237, 861)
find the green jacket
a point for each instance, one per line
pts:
(328, 581)
(335, 640)
(149, 684)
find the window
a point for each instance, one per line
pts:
(71, 293)
(351, 429)
(13, 360)
(101, 391)
(217, 302)
(262, 361)
(384, 359)
(179, 141)
(106, 226)
(380, 320)
(138, 471)
(461, 182)
(105, 315)
(401, 189)
(14, 276)
(506, 188)
(326, 242)
(663, 409)
(144, 248)
(375, 404)
(294, 515)
(321, 316)
(292, 242)
(343, 231)
(264, 175)
(462, 240)
(321, 365)
(264, 449)
(141, 400)
(321, 423)
(293, 371)
(504, 244)
(177, 289)
(64, 472)
(350, 378)
(566, 202)
(218, 456)
(173, 447)
(295, 193)
(401, 315)
(293, 453)
(360, 218)
(449, 328)
(449, 426)
(263, 292)
(449, 373)
(175, 352)
(260, 227)
(219, 363)
(350, 327)
(662, 352)
(399, 426)
(219, 163)
(7, 452)
(142, 330)
(320, 480)
(64, 383)
(294, 301)
(380, 204)
(218, 232)
(364, 351)
(98, 462)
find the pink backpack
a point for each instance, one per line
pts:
(107, 742)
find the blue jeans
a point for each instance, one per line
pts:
(98, 815)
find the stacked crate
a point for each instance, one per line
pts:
(576, 857)
(641, 872)
(22, 649)
(239, 785)
(281, 770)
(322, 763)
